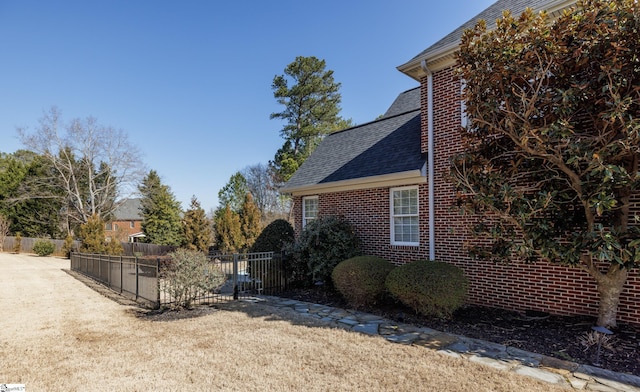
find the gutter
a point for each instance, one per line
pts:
(430, 163)
(384, 180)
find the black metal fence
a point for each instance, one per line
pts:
(143, 279)
(131, 276)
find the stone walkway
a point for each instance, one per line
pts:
(541, 367)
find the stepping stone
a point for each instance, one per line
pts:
(525, 357)
(484, 348)
(369, 329)
(604, 375)
(494, 363)
(370, 318)
(556, 363)
(577, 383)
(437, 341)
(407, 338)
(542, 375)
(348, 321)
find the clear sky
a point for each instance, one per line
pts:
(190, 81)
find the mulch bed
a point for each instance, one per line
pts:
(556, 336)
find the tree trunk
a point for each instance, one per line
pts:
(610, 286)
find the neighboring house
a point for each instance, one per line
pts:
(388, 178)
(126, 225)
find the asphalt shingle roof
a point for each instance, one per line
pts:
(128, 210)
(388, 145)
(405, 102)
(490, 15)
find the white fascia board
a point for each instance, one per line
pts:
(383, 181)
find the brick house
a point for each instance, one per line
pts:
(387, 178)
(126, 225)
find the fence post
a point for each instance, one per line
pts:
(235, 276)
(158, 279)
(137, 277)
(121, 274)
(109, 274)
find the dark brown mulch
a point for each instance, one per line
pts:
(555, 336)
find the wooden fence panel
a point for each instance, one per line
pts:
(130, 248)
(26, 244)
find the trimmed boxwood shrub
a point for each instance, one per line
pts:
(44, 247)
(429, 287)
(361, 279)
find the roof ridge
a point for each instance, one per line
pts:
(376, 120)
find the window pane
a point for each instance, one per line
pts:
(309, 210)
(406, 227)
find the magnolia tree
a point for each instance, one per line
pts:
(550, 164)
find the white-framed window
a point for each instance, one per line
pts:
(309, 209)
(405, 223)
(108, 226)
(132, 224)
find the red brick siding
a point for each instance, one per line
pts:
(518, 286)
(124, 229)
(369, 211)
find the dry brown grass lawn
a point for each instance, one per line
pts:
(57, 334)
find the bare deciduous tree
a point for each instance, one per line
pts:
(94, 165)
(261, 182)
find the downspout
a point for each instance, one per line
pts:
(430, 164)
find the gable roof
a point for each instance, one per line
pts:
(442, 51)
(129, 210)
(406, 102)
(385, 150)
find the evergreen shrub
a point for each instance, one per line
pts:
(92, 235)
(274, 237)
(429, 287)
(17, 245)
(361, 279)
(67, 247)
(43, 247)
(323, 243)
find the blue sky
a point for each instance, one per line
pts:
(190, 81)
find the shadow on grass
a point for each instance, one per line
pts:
(251, 309)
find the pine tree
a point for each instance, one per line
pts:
(161, 211)
(249, 221)
(312, 107)
(197, 228)
(233, 193)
